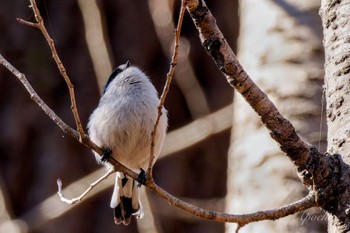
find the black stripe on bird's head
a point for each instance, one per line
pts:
(114, 74)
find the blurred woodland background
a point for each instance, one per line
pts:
(34, 152)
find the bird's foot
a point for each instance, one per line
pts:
(141, 178)
(106, 154)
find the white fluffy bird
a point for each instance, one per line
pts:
(122, 125)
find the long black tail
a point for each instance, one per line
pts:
(125, 200)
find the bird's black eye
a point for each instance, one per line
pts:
(114, 74)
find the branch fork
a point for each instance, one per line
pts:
(80, 198)
(226, 61)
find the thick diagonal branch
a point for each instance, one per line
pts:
(295, 148)
(315, 169)
(216, 45)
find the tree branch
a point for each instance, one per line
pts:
(217, 47)
(167, 85)
(59, 122)
(80, 198)
(36, 98)
(184, 75)
(316, 170)
(241, 219)
(40, 25)
(80, 134)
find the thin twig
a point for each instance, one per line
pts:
(167, 85)
(298, 206)
(30, 24)
(36, 98)
(59, 122)
(238, 228)
(184, 74)
(242, 220)
(82, 137)
(40, 24)
(80, 198)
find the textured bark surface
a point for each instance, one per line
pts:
(280, 47)
(336, 25)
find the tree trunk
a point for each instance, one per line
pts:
(336, 27)
(280, 47)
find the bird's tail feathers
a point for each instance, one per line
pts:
(125, 200)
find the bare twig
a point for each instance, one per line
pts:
(63, 126)
(241, 219)
(52, 207)
(35, 97)
(167, 85)
(298, 206)
(80, 134)
(238, 228)
(184, 75)
(80, 198)
(40, 25)
(301, 205)
(234, 76)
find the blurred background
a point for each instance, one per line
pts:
(92, 38)
(217, 154)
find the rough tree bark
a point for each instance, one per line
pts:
(336, 27)
(334, 186)
(273, 36)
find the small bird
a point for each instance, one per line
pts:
(122, 125)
